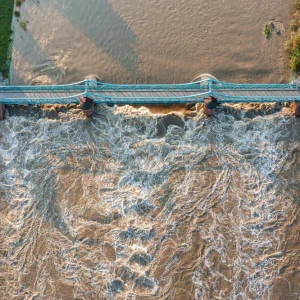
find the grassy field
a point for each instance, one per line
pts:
(6, 13)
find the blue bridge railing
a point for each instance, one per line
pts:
(108, 93)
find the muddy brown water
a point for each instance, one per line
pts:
(104, 208)
(150, 41)
(127, 205)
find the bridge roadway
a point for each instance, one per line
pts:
(149, 93)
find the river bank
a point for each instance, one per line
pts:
(292, 44)
(6, 14)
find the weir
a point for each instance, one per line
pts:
(193, 92)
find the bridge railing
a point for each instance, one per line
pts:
(205, 84)
(194, 98)
(219, 85)
(78, 86)
(91, 88)
(44, 100)
(100, 86)
(223, 98)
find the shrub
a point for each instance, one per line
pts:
(294, 62)
(294, 25)
(19, 2)
(23, 25)
(267, 31)
(17, 13)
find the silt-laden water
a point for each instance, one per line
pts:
(103, 208)
(123, 206)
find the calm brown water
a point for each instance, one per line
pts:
(119, 207)
(150, 41)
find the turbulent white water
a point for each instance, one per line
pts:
(102, 208)
(120, 207)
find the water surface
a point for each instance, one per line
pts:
(103, 208)
(150, 41)
(120, 206)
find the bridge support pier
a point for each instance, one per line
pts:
(2, 111)
(209, 105)
(296, 106)
(87, 105)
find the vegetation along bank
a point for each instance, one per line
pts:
(6, 13)
(292, 45)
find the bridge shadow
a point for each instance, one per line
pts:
(14, 78)
(116, 37)
(29, 57)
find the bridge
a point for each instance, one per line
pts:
(106, 93)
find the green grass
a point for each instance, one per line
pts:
(292, 45)
(6, 13)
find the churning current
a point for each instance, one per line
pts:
(104, 208)
(134, 205)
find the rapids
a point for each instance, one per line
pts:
(126, 206)
(103, 208)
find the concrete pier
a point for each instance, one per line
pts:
(2, 112)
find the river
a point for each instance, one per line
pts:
(123, 206)
(150, 41)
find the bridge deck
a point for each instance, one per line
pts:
(139, 94)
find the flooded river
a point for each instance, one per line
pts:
(104, 208)
(135, 205)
